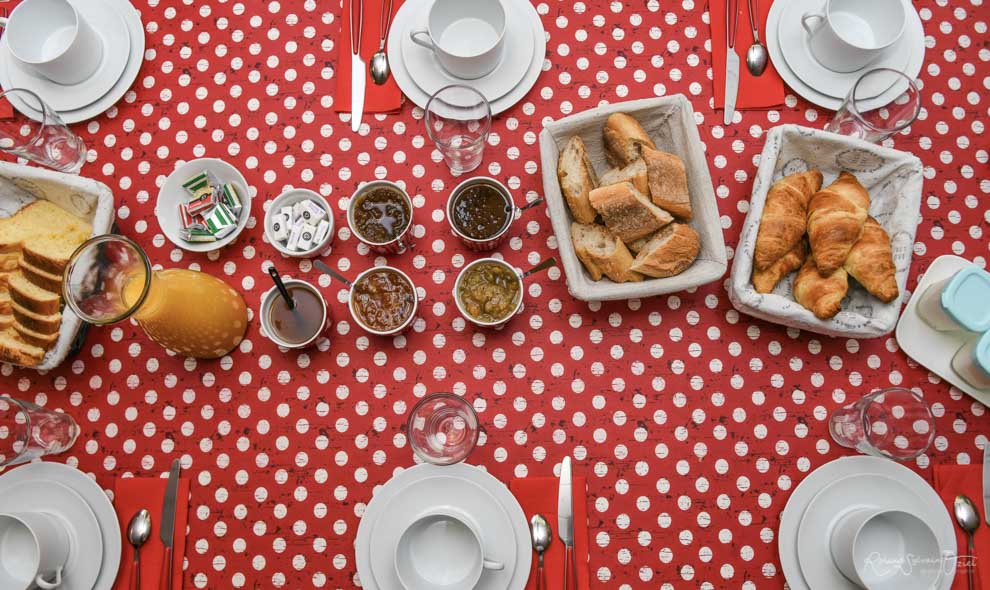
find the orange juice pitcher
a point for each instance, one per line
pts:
(191, 313)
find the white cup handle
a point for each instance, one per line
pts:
(414, 36)
(44, 584)
(810, 16)
(488, 564)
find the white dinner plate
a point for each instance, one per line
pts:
(864, 490)
(94, 497)
(82, 567)
(816, 481)
(135, 58)
(517, 54)
(366, 543)
(408, 14)
(913, 30)
(109, 24)
(794, 45)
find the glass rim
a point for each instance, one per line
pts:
(443, 395)
(73, 260)
(867, 426)
(858, 114)
(436, 96)
(27, 422)
(45, 111)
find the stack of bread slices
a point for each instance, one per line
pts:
(36, 244)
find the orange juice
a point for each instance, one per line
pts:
(189, 312)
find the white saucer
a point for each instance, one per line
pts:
(135, 58)
(110, 26)
(517, 55)
(914, 30)
(409, 13)
(461, 494)
(91, 493)
(794, 45)
(395, 488)
(865, 490)
(929, 347)
(85, 542)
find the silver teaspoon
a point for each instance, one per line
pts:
(379, 61)
(539, 528)
(756, 55)
(968, 519)
(138, 531)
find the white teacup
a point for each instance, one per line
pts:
(51, 38)
(441, 550)
(883, 549)
(318, 325)
(847, 35)
(33, 549)
(465, 35)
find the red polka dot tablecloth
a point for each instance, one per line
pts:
(691, 421)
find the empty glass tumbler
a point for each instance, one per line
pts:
(443, 429)
(28, 431)
(44, 138)
(458, 119)
(858, 118)
(895, 423)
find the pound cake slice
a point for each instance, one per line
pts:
(44, 279)
(32, 297)
(44, 341)
(13, 350)
(43, 324)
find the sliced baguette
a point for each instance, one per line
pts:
(42, 278)
(669, 253)
(32, 337)
(602, 253)
(32, 297)
(14, 350)
(668, 183)
(627, 212)
(634, 173)
(623, 137)
(43, 324)
(577, 179)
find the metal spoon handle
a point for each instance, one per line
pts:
(319, 264)
(384, 23)
(541, 266)
(970, 583)
(752, 18)
(539, 572)
(135, 581)
(530, 205)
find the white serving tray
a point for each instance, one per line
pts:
(928, 346)
(83, 197)
(670, 122)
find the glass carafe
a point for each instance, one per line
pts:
(191, 313)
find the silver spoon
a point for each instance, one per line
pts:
(379, 61)
(968, 519)
(541, 266)
(539, 528)
(138, 531)
(756, 55)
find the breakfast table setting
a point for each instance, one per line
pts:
(279, 282)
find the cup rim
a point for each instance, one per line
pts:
(460, 306)
(41, 62)
(451, 513)
(447, 396)
(363, 188)
(853, 43)
(889, 130)
(74, 259)
(482, 135)
(917, 396)
(928, 531)
(393, 331)
(273, 209)
(497, 43)
(467, 183)
(266, 302)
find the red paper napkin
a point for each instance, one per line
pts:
(538, 495)
(950, 481)
(761, 92)
(377, 99)
(132, 494)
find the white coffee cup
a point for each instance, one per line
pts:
(51, 38)
(883, 549)
(465, 35)
(269, 298)
(847, 35)
(34, 547)
(441, 550)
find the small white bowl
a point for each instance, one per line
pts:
(288, 199)
(269, 297)
(172, 194)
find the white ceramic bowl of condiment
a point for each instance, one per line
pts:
(288, 199)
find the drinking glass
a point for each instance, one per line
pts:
(109, 279)
(47, 141)
(876, 124)
(443, 429)
(28, 431)
(895, 423)
(458, 119)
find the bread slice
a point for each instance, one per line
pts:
(623, 137)
(5, 302)
(42, 278)
(43, 324)
(669, 253)
(668, 183)
(50, 255)
(5, 278)
(32, 337)
(32, 297)
(627, 212)
(634, 173)
(577, 179)
(8, 261)
(637, 245)
(602, 253)
(14, 350)
(47, 234)
(6, 320)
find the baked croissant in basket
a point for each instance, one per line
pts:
(785, 216)
(821, 295)
(836, 215)
(871, 262)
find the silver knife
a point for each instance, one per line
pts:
(565, 524)
(986, 481)
(731, 62)
(358, 71)
(166, 530)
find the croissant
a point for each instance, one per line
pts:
(835, 221)
(822, 296)
(765, 280)
(785, 215)
(871, 262)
